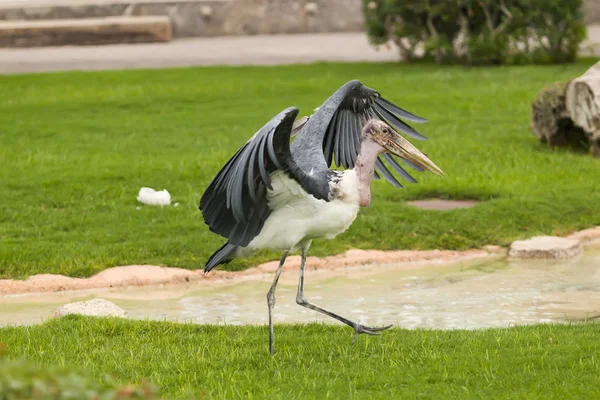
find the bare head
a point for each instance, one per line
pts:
(394, 143)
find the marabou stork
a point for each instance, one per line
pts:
(280, 196)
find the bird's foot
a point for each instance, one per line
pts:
(373, 331)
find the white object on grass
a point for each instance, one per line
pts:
(95, 307)
(151, 197)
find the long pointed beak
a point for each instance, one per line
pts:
(403, 148)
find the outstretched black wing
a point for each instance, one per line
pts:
(334, 130)
(341, 142)
(235, 203)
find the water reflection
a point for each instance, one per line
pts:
(495, 294)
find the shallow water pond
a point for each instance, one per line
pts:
(468, 295)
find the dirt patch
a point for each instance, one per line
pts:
(141, 275)
(586, 235)
(440, 204)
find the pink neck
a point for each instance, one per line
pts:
(365, 168)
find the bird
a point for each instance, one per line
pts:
(280, 194)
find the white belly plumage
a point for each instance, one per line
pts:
(298, 216)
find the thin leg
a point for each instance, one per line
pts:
(300, 299)
(271, 298)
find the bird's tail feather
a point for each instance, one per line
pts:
(221, 256)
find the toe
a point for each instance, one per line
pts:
(379, 329)
(370, 330)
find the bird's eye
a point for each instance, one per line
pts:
(386, 131)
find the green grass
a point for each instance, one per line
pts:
(75, 148)
(318, 361)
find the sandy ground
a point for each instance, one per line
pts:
(140, 275)
(234, 50)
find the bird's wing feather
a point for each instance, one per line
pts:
(342, 136)
(331, 136)
(235, 203)
(284, 190)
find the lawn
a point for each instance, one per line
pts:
(318, 361)
(75, 149)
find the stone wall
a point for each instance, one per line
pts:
(208, 17)
(591, 10)
(293, 16)
(188, 17)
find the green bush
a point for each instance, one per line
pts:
(21, 380)
(479, 31)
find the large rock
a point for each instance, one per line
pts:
(94, 308)
(550, 120)
(545, 247)
(582, 98)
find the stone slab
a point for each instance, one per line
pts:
(94, 308)
(545, 247)
(85, 31)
